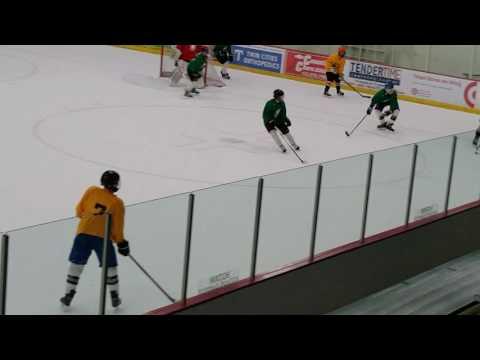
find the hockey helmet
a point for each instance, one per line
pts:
(111, 180)
(278, 93)
(389, 87)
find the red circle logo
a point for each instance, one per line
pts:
(470, 94)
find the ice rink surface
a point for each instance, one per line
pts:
(70, 112)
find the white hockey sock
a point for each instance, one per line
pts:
(379, 114)
(73, 276)
(274, 135)
(112, 279)
(224, 69)
(176, 76)
(189, 85)
(290, 139)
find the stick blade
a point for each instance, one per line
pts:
(346, 133)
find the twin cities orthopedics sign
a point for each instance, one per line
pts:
(263, 58)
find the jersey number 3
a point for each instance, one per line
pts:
(102, 208)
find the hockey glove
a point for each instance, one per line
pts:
(369, 110)
(287, 122)
(123, 248)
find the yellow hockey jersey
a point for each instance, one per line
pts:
(335, 63)
(92, 208)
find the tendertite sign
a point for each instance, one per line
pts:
(372, 75)
(307, 65)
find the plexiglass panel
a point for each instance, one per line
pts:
(286, 218)
(389, 189)
(222, 234)
(156, 231)
(466, 172)
(341, 202)
(431, 177)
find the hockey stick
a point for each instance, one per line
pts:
(356, 126)
(291, 148)
(363, 96)
(152, 279)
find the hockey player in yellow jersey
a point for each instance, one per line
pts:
(95, 203)
(334, 66)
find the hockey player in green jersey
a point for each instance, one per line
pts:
(195, 72)
(385, 97)
(275, 117)
(224, 55)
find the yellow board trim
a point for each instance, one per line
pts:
(408, 98)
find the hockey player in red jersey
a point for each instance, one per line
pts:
(183, 55)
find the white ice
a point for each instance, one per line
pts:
(70, 112)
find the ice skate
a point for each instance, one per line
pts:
(225, 75)
(475, 140)
(116, 301)
(67, 299)
(389, 126)
(383, 125)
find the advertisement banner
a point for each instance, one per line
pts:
(259, 57)
(306, 65)
(422, 85)
(370, 75)
(477, 94)
(440, 88)
(470, 94)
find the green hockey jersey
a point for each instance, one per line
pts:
(275, 111)
(383, 98)
(197, 65)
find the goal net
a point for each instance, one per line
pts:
(167, 66)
